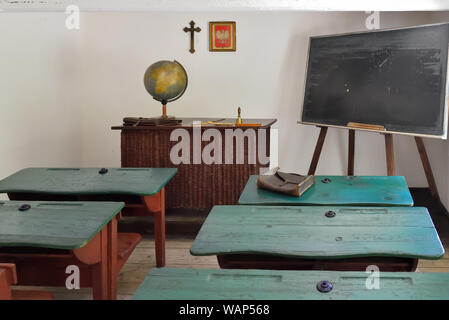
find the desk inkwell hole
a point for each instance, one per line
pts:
(324, 286)
(24, 207)
(330, 214)
(103, 171)
(326, 180)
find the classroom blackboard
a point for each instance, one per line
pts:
(390, 78)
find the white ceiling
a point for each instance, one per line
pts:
(222, 5)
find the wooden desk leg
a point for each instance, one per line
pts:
(5, 283)
(351, 148)
(317, 152)
(100, 270)
(156, 205)
(389, 153)
(112, 259)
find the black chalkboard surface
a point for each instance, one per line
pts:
(391, 78)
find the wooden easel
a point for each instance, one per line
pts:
(389, 156)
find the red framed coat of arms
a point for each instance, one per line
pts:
(222, 36)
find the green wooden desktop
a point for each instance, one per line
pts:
(343, 238)
(142, 190)
(43, 238)
(209, 284)
(336, 190)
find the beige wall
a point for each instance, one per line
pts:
(40, 93)
(62, 90)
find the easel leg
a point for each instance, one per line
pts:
(351, 148)
(317, 152)
(389, 153)
(427, 168)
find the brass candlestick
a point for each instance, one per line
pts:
(239, 118)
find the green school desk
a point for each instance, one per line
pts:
(318, 237)
(43, 238)
(209, 284)
(142, 190)
(336, 190)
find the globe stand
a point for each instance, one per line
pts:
(164, 119)
(164, 113)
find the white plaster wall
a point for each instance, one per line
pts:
(39, 93)
(265, 76)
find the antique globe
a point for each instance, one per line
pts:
(165, 81)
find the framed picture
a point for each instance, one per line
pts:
(222, 36)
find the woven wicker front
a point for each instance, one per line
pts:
(198, 186)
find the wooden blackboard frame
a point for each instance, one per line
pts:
(445, 110)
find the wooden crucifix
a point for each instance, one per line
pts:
(192, 29)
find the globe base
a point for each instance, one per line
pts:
(164, 117)
(166, 120)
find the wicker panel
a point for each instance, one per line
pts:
(198, 186)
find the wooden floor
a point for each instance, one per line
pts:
(138, 265)
(178, 256)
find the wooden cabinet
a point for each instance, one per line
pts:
(198, 185)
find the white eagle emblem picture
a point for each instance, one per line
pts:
(222, 36)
